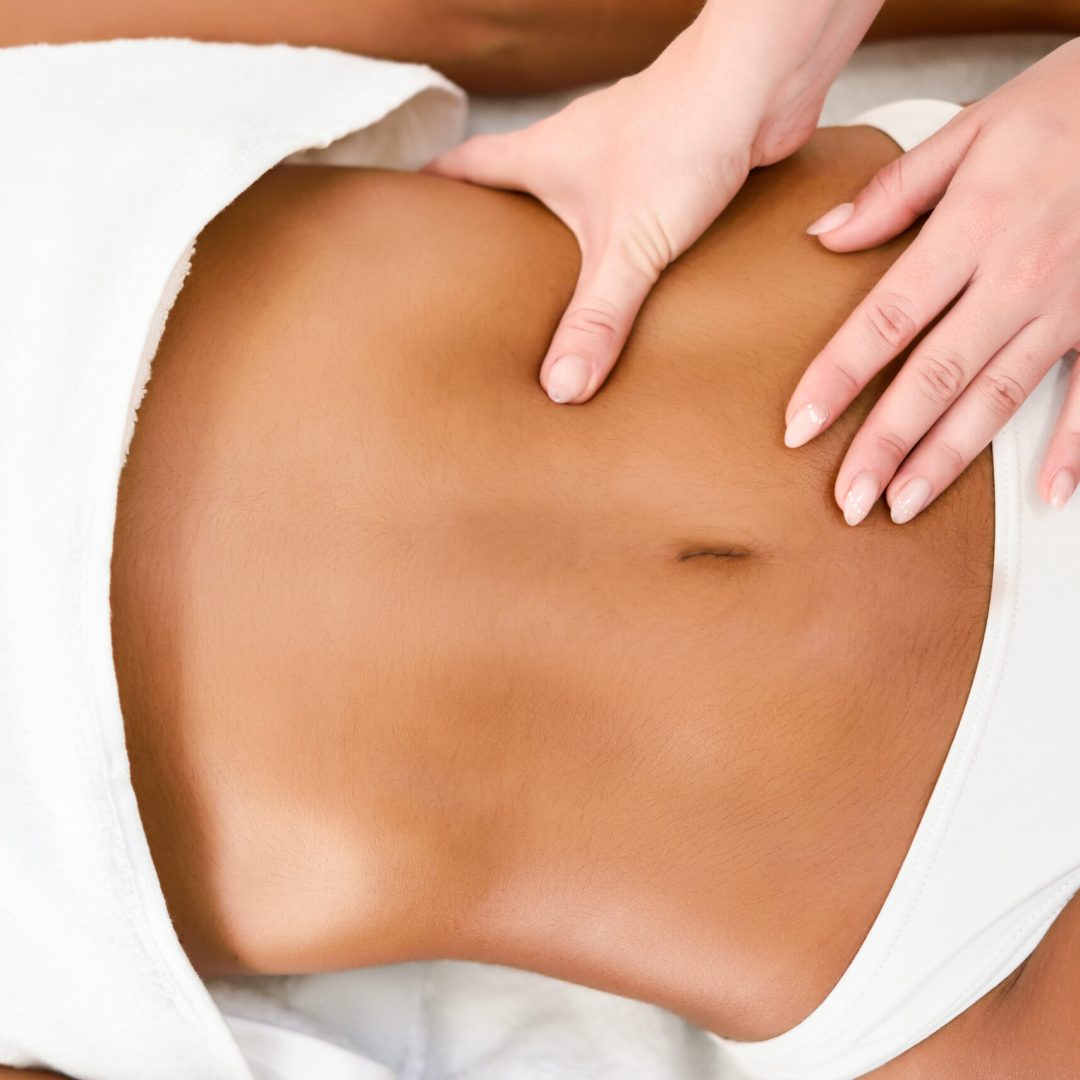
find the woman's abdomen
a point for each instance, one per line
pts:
(416, 663)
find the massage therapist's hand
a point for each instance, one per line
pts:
(638, 171)
(1003, 248)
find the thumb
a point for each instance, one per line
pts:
(594, 329)
(899, 193)
(490, 160)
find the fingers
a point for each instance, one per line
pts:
(615, 276)
(491, 160)
(591, 335)
(931, 381)
(990, 400)
(899, 193)
(1061, 468)
(611, 288)
(1006, 199)
(911, 294)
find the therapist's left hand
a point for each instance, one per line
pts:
(1003, 248)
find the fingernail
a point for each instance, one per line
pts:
(1062, 487)
(805, 424)
(914, 495)
(567, 379)
(861, 496)
(837, 216)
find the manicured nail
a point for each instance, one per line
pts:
(914, 495)
(567, 379)
(861, 496)
(1062, 487)
(837, 216)
(805, 424)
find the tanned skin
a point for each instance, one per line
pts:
(414, 664)
(487, 46)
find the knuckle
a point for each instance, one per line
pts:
(598, 322)
(1047, 124)
(891, 446)
(941, 377)
(954, 460)
(889, 182)
(980, 207)
(847, 383)
(646, 249)
(1039, 264)
(890, 322)
(1066, 443)
(1002, 394)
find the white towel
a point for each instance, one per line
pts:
(114, 157)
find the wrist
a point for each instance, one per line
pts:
(780, 30)
(772, 59)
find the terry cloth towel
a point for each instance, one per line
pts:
(114, 157)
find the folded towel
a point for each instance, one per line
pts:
(114, 157)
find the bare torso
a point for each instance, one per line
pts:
(415, 663)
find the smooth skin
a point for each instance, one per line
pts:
(414, 665)
(638, 169)
(388, 626)
(486, 46)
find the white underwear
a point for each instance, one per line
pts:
(996, 857)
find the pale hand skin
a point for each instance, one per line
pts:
(639, 170)
(1003, 248)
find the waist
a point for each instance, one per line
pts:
(388, 619)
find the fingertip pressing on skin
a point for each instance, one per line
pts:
(837, 216)
(568, 379)
(911, 500)
(808, 422)
(860, 498)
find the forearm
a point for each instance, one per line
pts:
(7, 1073)
(507, 46)
(772, 62)
(445, 36)
(907, 18)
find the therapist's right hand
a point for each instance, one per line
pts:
(639, 170)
